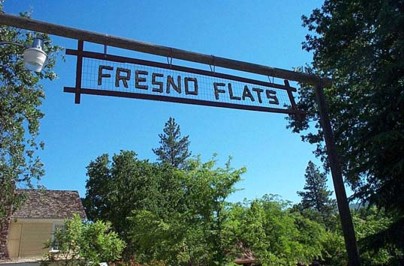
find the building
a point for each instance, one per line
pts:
(33, 224)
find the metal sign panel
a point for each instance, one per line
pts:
(110, 75)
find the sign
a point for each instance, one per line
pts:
(111, 75)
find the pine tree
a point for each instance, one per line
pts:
(173, 148)
(315, 195)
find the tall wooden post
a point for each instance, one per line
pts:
(336, 172)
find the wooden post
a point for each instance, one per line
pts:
(339, 188)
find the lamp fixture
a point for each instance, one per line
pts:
(34, 56)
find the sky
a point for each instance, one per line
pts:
(262, 32)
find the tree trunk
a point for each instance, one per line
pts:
(7, 201)
(4, 227)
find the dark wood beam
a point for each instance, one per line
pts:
(105, 39)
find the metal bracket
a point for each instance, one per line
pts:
(212, 65)
(170, 58)
(105, 51)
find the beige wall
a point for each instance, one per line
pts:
(28, 237)
(14, 235)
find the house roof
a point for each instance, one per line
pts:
(50, 204)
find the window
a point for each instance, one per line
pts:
(55, 228)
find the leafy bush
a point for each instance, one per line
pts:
(85, 243)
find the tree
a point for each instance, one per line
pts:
(20, 98)
(266, 229)
(207, 191)
(192, 232)
(115, 189)
(316, 196)
(84, 243)
(125, 185)
(164, 214)
(359, 44)
(370, 223)
(173, 148)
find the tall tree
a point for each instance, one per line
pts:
(191, 231)
(163, 213)
(116, 188)
(173, 148)
(315, 195)
(21, 96)
(359, 44)
(120, 186)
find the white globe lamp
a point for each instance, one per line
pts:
(35, 57)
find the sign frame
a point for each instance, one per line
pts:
(78, 90)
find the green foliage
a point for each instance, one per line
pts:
(369, 223)
(115, 189)
(192, 232)
(173, 148)
(20, 98)
(359, 44)
(159, 239)
(333, 249)
(173, 216)
(81, 243)
(170, 216)
(163, 213)
(274, 235)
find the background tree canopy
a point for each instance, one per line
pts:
(360, 45)
(162, 213)
(181, 216)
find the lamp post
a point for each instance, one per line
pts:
(34, 56)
